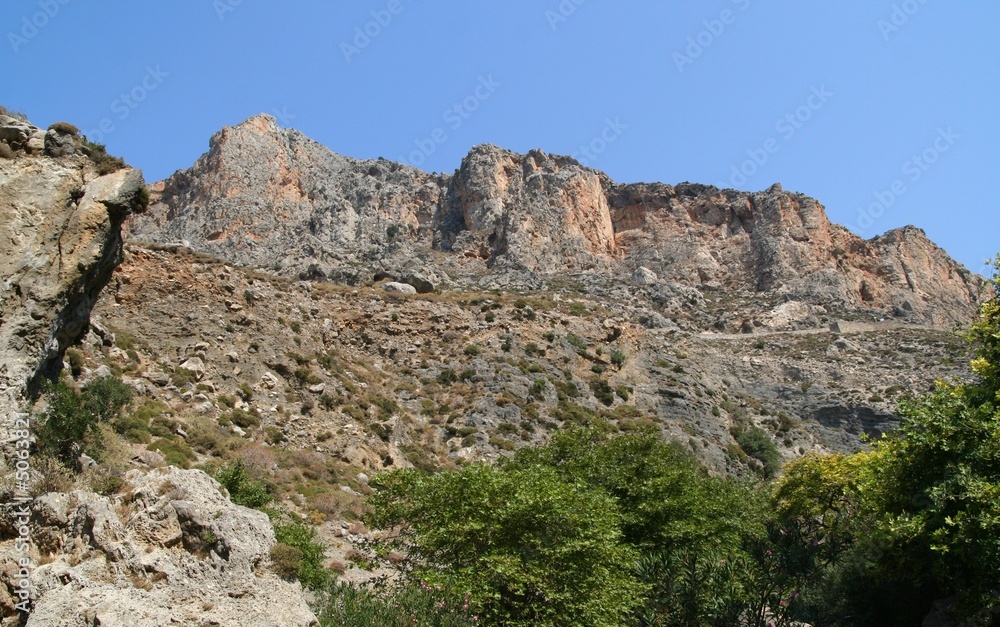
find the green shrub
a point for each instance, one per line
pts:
(603, 392)
(174, 451)
(69, 425)
(472, 350)
(617, 357)
(311, 572)
(576, 342)
(447, 377)
(242, 488)
(347, 605)
(756, 443)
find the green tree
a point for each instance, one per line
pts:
(918, 518)
(528, 547)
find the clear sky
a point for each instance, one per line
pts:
(884, 110)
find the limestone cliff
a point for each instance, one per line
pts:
(273, 198)
(60, 224)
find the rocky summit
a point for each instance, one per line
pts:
(272, 198)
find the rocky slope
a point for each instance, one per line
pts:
(272, 198)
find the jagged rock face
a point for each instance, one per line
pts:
(170, 550)
(270, 197)
(60, 224)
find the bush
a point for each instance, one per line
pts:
(69, 426)
(106, 164)
(472, 350)
(243, 490)
(603, 392)
(757, 444)
(302, 538)
(64, 128)
(530, 548)
(617, 357)
(347, 605)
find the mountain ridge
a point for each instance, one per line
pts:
(274, 198)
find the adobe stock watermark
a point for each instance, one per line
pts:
(562, 13)
(127, 102)
(714, 29)
(900, 16)
(283, 116)
(222, 7)
(454, 117)
(33, 24)
(913, 169)
(589, 152)
(786, 127)
(21, 436)
(365, 34)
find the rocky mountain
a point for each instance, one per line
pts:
(272, 198)
(319, 319)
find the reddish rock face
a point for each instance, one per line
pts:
(271, 197)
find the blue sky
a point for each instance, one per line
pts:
(884, 110)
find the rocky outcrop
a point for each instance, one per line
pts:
(167, 549)
(60, 224)
(272, 198)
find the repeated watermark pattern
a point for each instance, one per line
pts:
(588, 153)
(453, 117)
(127, 102)
(562, 13)
(913, 170)
(225, 7)
(283, 116)
(365, 34)
(698, 43)
(31, 25)
(21, 436)
(900, 16)
(786, 127)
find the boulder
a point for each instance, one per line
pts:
(402, 288)
(644, 276)
(169, 549)
(420, 282)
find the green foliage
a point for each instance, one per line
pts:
(576, 342)
(242, 488)
(447, 377)
(756, 443)
(530, 548)
(603, 392)
(69, 426)
(617, 357)
(346, 605)
(302, 538)
(918, 518)
(472, 350)
(552, 536)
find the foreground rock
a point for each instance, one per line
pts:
(60, 223)
(168, 549)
